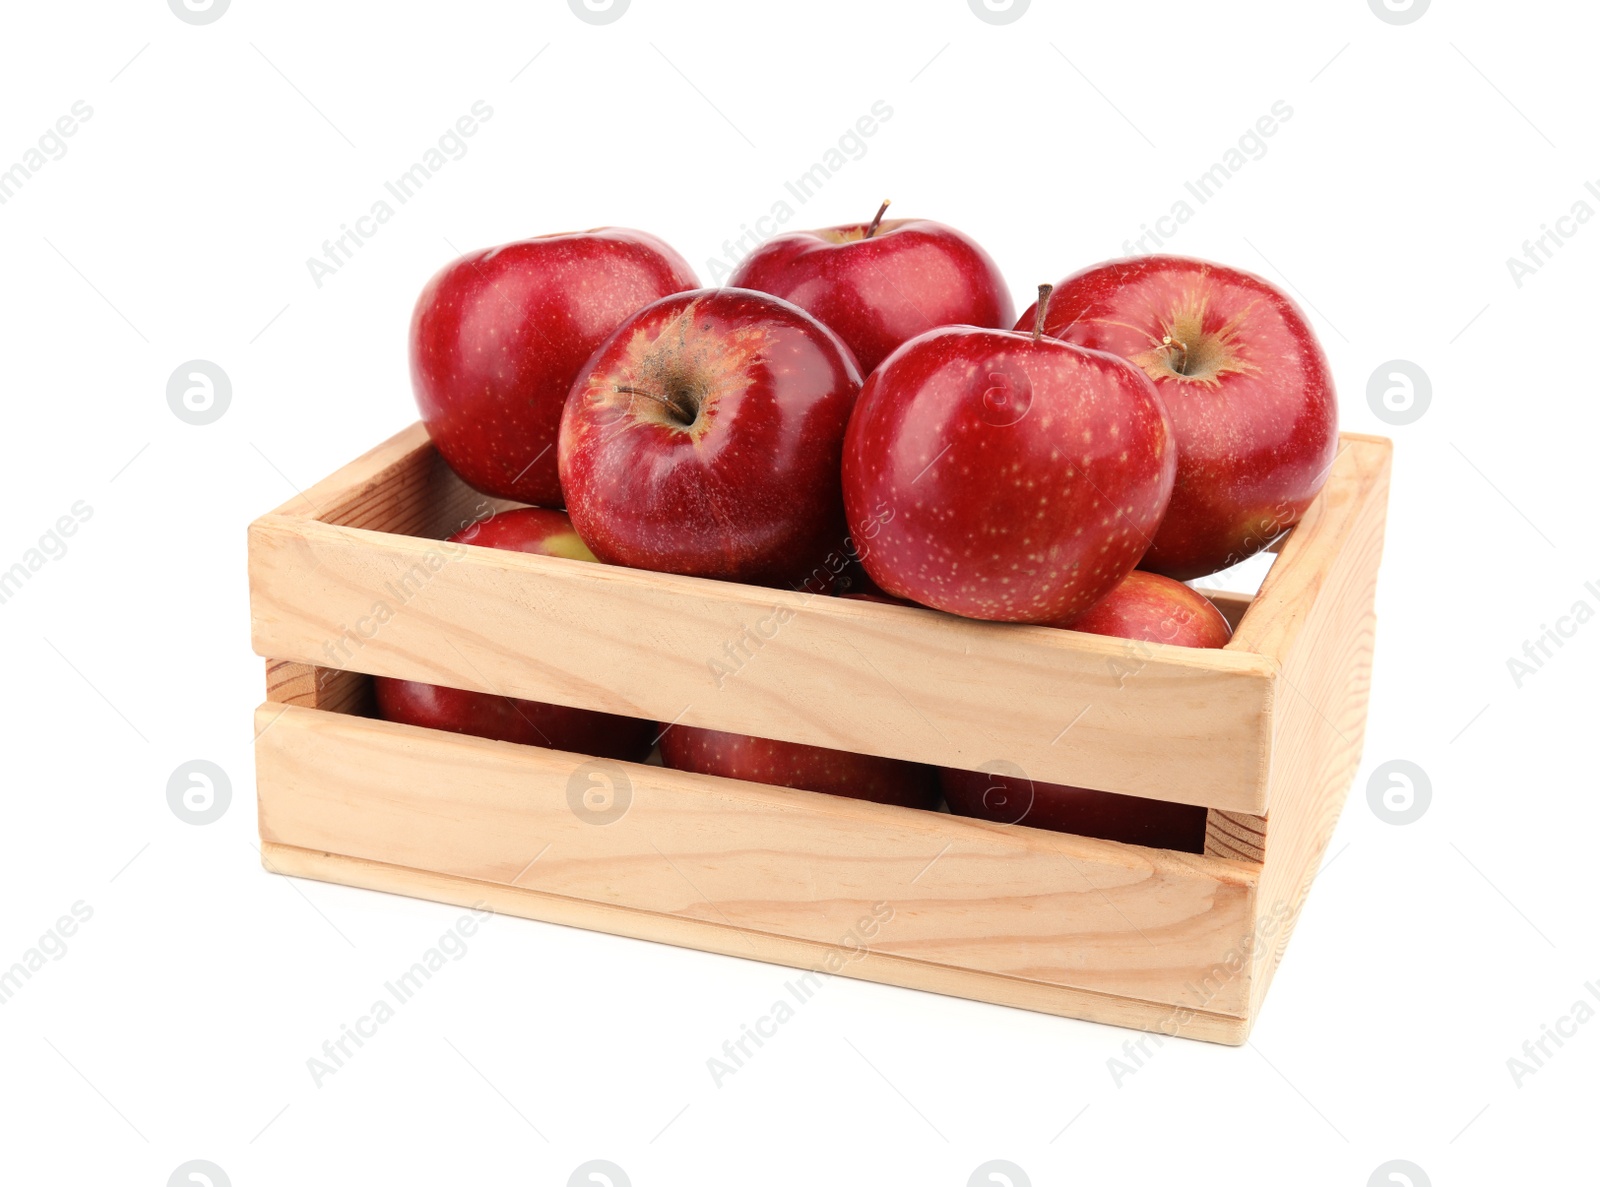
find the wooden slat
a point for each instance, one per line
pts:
(1177, 723)
(402, 486)
(717, 938)
(1017, 903)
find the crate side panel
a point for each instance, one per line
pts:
(402, 486)
(1326, 675)
(1312, 551)
(717, 938)
(1168, 722)
(1020, 903)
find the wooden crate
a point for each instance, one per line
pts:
(352, 578)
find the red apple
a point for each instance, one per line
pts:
(499, 335)
(791, 764)
(881, 283)
(1009, 798)
(1003, 475)
(1146, 608)
(533, 723)
(1245, 381)
(1156, 609)
(508, 719)
(704, 438)
(527, 529)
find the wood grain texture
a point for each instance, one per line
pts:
(290, 683)
(1144, 719)
(1323, 634)
(1237, 836)
(718, 938)
(402, 486)
(1267, 733)
(1310, 553)
(1020, 903)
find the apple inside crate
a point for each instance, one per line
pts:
(353, 579)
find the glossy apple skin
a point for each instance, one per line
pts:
(911, 276)
(1256, 418)
(1144, 607)
(498, 336)
(810, 768)
(1004, 478)
(507, 719)
(537, 530)
(748, 490)
(1156, 609)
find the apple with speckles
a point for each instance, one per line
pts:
(792, 764)
(498, 336)
(1247, 386)
(1155, 609)
(1024, 475)
(704, 438)
(1146, 608)
(881, 283)
(507, 719)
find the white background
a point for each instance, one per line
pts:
(177, 226)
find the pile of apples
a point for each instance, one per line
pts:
(861, 413)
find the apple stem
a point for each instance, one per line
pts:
(872, 227)
(681, 409)
(1039, 310)
(1183, 359)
